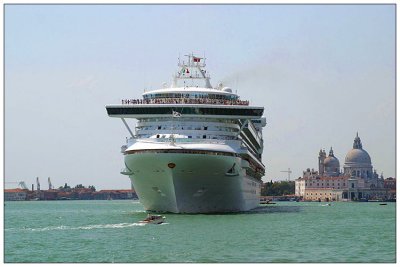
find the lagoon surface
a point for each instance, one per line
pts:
(108, 231)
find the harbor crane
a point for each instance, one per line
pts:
(37, 184)
(50, 185)
(288, 172)
(23, 185)
(20, 184)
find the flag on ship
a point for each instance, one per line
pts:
(184, 71)
(196, 59)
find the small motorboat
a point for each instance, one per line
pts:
(153, 219)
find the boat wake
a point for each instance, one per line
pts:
(84, 227)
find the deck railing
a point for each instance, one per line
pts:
(206, 101)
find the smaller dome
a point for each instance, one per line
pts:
(331, 162)
(331, 165)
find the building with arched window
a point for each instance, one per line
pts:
(358, 181)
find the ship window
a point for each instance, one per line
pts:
(189, 136)
(159, 128)
(205, 127)
(158, 136)
(204, 136)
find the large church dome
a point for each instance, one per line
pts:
(357, 155)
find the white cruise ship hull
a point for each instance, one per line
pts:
(198, 183)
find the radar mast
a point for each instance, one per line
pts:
(191, 70)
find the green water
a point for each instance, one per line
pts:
(108, 231)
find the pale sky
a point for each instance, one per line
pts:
(322, 72)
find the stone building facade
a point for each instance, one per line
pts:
(358, 181)
(15, 194)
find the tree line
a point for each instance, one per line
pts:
(278, 188)
(68, 188)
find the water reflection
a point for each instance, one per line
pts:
(272, 209)
(260, 209)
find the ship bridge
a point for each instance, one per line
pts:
(187, 110)
(190, 85)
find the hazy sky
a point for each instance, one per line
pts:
(322, 72)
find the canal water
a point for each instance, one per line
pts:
(108, 231)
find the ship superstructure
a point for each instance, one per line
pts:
(195, 148)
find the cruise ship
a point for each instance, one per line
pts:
(192, 147)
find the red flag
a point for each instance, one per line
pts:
(196, 59)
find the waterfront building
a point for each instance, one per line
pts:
(115, 194)
(69, 194)
(358, 181)
(15, 194)
(390, 184)
(50, 194)
(323, 194)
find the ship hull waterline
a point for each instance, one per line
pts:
(192, 183)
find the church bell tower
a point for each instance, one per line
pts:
(321, 158)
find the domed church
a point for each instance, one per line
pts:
(358, 162)
(328, 166)
(357, 181)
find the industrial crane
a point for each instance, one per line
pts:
(37, 184)
(23, 185)
(20, 184)
(50, 185)
(288, 172)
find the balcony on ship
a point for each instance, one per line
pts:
(206, 101)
